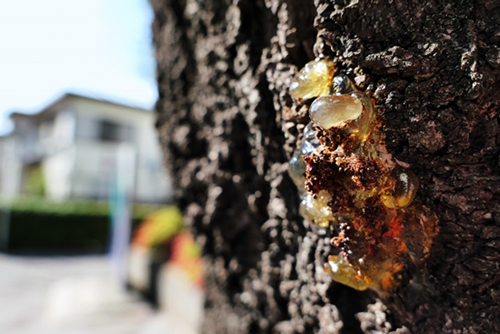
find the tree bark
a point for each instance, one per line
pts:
(228, 128)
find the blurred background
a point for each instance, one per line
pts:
(89, 240)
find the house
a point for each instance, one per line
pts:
(80, 147)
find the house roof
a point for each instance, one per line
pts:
(66, 98)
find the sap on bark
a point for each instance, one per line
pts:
(313, 80)
(380, 231)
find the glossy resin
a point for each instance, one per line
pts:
(351, 185)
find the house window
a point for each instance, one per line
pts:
(109, 131)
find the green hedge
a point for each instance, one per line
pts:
(40, 225)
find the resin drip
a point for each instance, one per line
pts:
(349, 182)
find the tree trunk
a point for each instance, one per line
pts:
(228, 128)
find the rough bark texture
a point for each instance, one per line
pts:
(228, 128)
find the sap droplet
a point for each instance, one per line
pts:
(343, 85)
(313, 80)
(311, 142)
(330, 111)
(405, 189)
(297, 169)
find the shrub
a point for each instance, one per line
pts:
(41, 225)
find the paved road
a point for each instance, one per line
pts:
(69, 295)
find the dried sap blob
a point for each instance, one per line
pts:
(344, 272)
(315, 208)
(332, 110)
(313, 80)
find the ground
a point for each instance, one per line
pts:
(71, 295)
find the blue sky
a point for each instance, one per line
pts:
(99, 48)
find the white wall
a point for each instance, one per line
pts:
(10, 167)
(57, 134)
(58, 169)
(152, 183)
